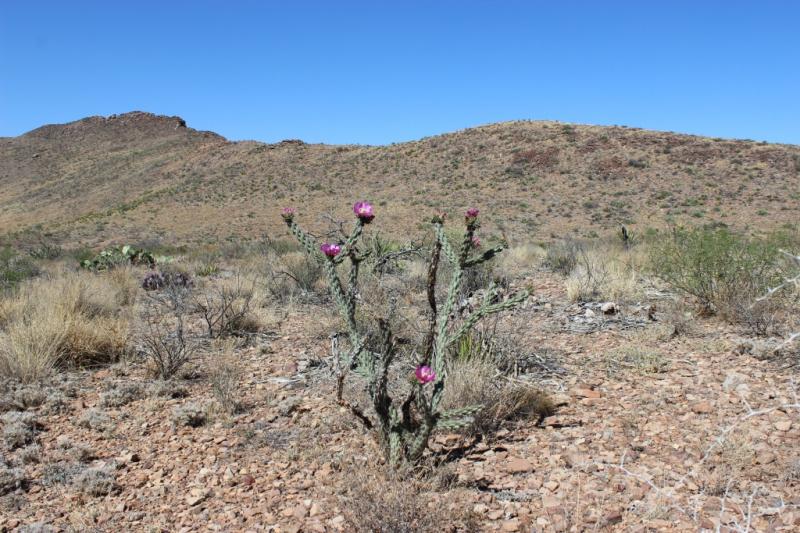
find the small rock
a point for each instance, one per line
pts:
(609, 308)
(510, 525)
(480, 508)
(196, 496)
(702, 408)
(518, 465)
(586, 393)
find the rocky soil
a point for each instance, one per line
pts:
(655, 432)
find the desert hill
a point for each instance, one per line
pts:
(139, 176)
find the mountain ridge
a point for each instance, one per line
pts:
(140, 176)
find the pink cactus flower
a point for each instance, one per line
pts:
(331, 250)
(363, 210)
(476, 242)
(424, 374)
(472, 213)
(288, 213)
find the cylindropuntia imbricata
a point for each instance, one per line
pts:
(404, 427)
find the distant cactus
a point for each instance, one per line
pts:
(118, 256)
(158, 280)
(404, 427)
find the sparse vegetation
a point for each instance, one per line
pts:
(727, 273)
(74, 319)
(653, 393)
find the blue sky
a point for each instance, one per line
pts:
(378, 72)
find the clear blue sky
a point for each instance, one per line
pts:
(377, 71)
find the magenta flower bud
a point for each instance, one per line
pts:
(363, 210)
(424, 374)
(331, 250)
(472, 213)
(476, 242)
(288, 213)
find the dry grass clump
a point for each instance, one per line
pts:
(379, 501)
(225, 376)
(605, 272)
(477, 381)
(634, 358)
(520, 260)
(75, 319)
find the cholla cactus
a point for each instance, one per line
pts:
(404, 427)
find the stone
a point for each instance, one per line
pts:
(510, 525)
(196, 496)
(518, 465)
(702, 408)
(609, 308)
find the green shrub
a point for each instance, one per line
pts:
(15, 268)
(726, 272)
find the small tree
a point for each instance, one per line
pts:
(404, 427)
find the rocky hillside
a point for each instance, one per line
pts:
(139, 176)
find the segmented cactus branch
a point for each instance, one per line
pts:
(404, 431)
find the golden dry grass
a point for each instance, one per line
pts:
(521, 260)
(475, 381)
(73, 318)
(606, 272)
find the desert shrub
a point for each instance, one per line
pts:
(19, 429)
(72, 320)
(372, 349)
(96, 482)
(562, 256)
(228, 308)
(94, 419)
(15, 268)
(30, 454)
(11, 479)
(164, 340)
(726, 272)
(191, 415)
(60, 473)
(77, 452)
(121, 394)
